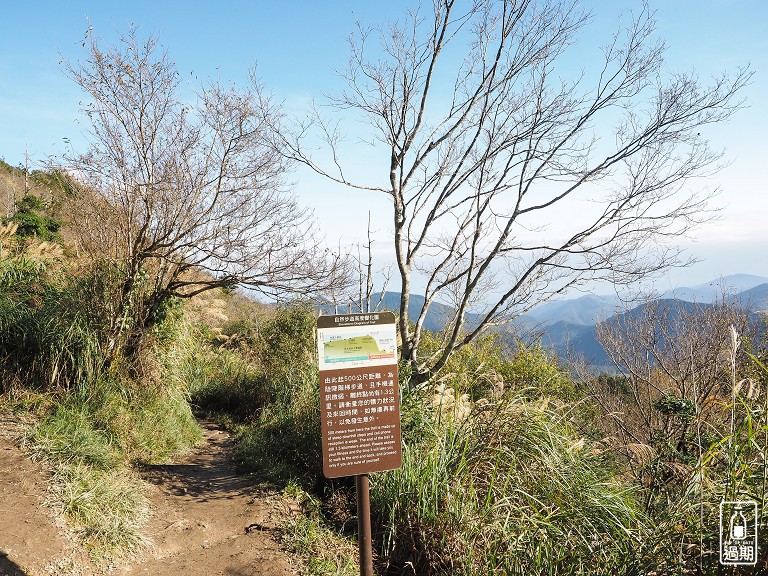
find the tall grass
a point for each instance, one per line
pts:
(498, 476)
(107, 509)
(224, 383)
(101, 499)
(507, 489)
(98, 415)
(283, 443)
(46, 342)
(92, 440)
(68, 435)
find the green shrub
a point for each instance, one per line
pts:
(223, 382)
(32, 223)
(473, 369)
(286, 348)
(284, 443)
(55, 180)
(531, 367)
(263, 362)
(486, 365)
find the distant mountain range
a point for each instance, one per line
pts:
(569, 326)
(744, 289)
(715, 289)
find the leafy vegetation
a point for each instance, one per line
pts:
(267, 379)
(95, 416)
(31, 220)
(507, 467)
(506, 488)
(511, 465)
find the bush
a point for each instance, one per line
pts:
(222, 382)
(262, 362)
(98, 417)
(286, 347)
(33, 224)
(284, 443)
(46, 342)
(530, 367)
(488, 365)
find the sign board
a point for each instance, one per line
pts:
(359, 395)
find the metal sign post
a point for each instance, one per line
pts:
(359, 406)
(364, 539)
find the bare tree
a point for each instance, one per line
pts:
(674, 383)
(481, 155)
(184, 196)
(358, 295)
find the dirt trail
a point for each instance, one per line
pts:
(207, 519)
(31, 544)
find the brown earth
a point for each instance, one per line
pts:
(207, 519)
(31, 542)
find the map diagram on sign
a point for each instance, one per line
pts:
(356, 347)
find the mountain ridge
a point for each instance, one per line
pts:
(570, 326)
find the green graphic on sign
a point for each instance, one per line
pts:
(356, 344)
(354, 349)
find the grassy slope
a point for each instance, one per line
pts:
(502, 438)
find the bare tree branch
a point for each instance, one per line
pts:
(187, 196)
(483, 153)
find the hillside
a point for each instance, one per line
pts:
(127, 478)
(206, 441)
(569, 327)
(579, 340)
(754, 299)
(584, 311)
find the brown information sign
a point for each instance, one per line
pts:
(359, 396)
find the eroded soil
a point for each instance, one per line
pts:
(207, 519)
(31, 541)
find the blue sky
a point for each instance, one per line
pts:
(297, 45)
